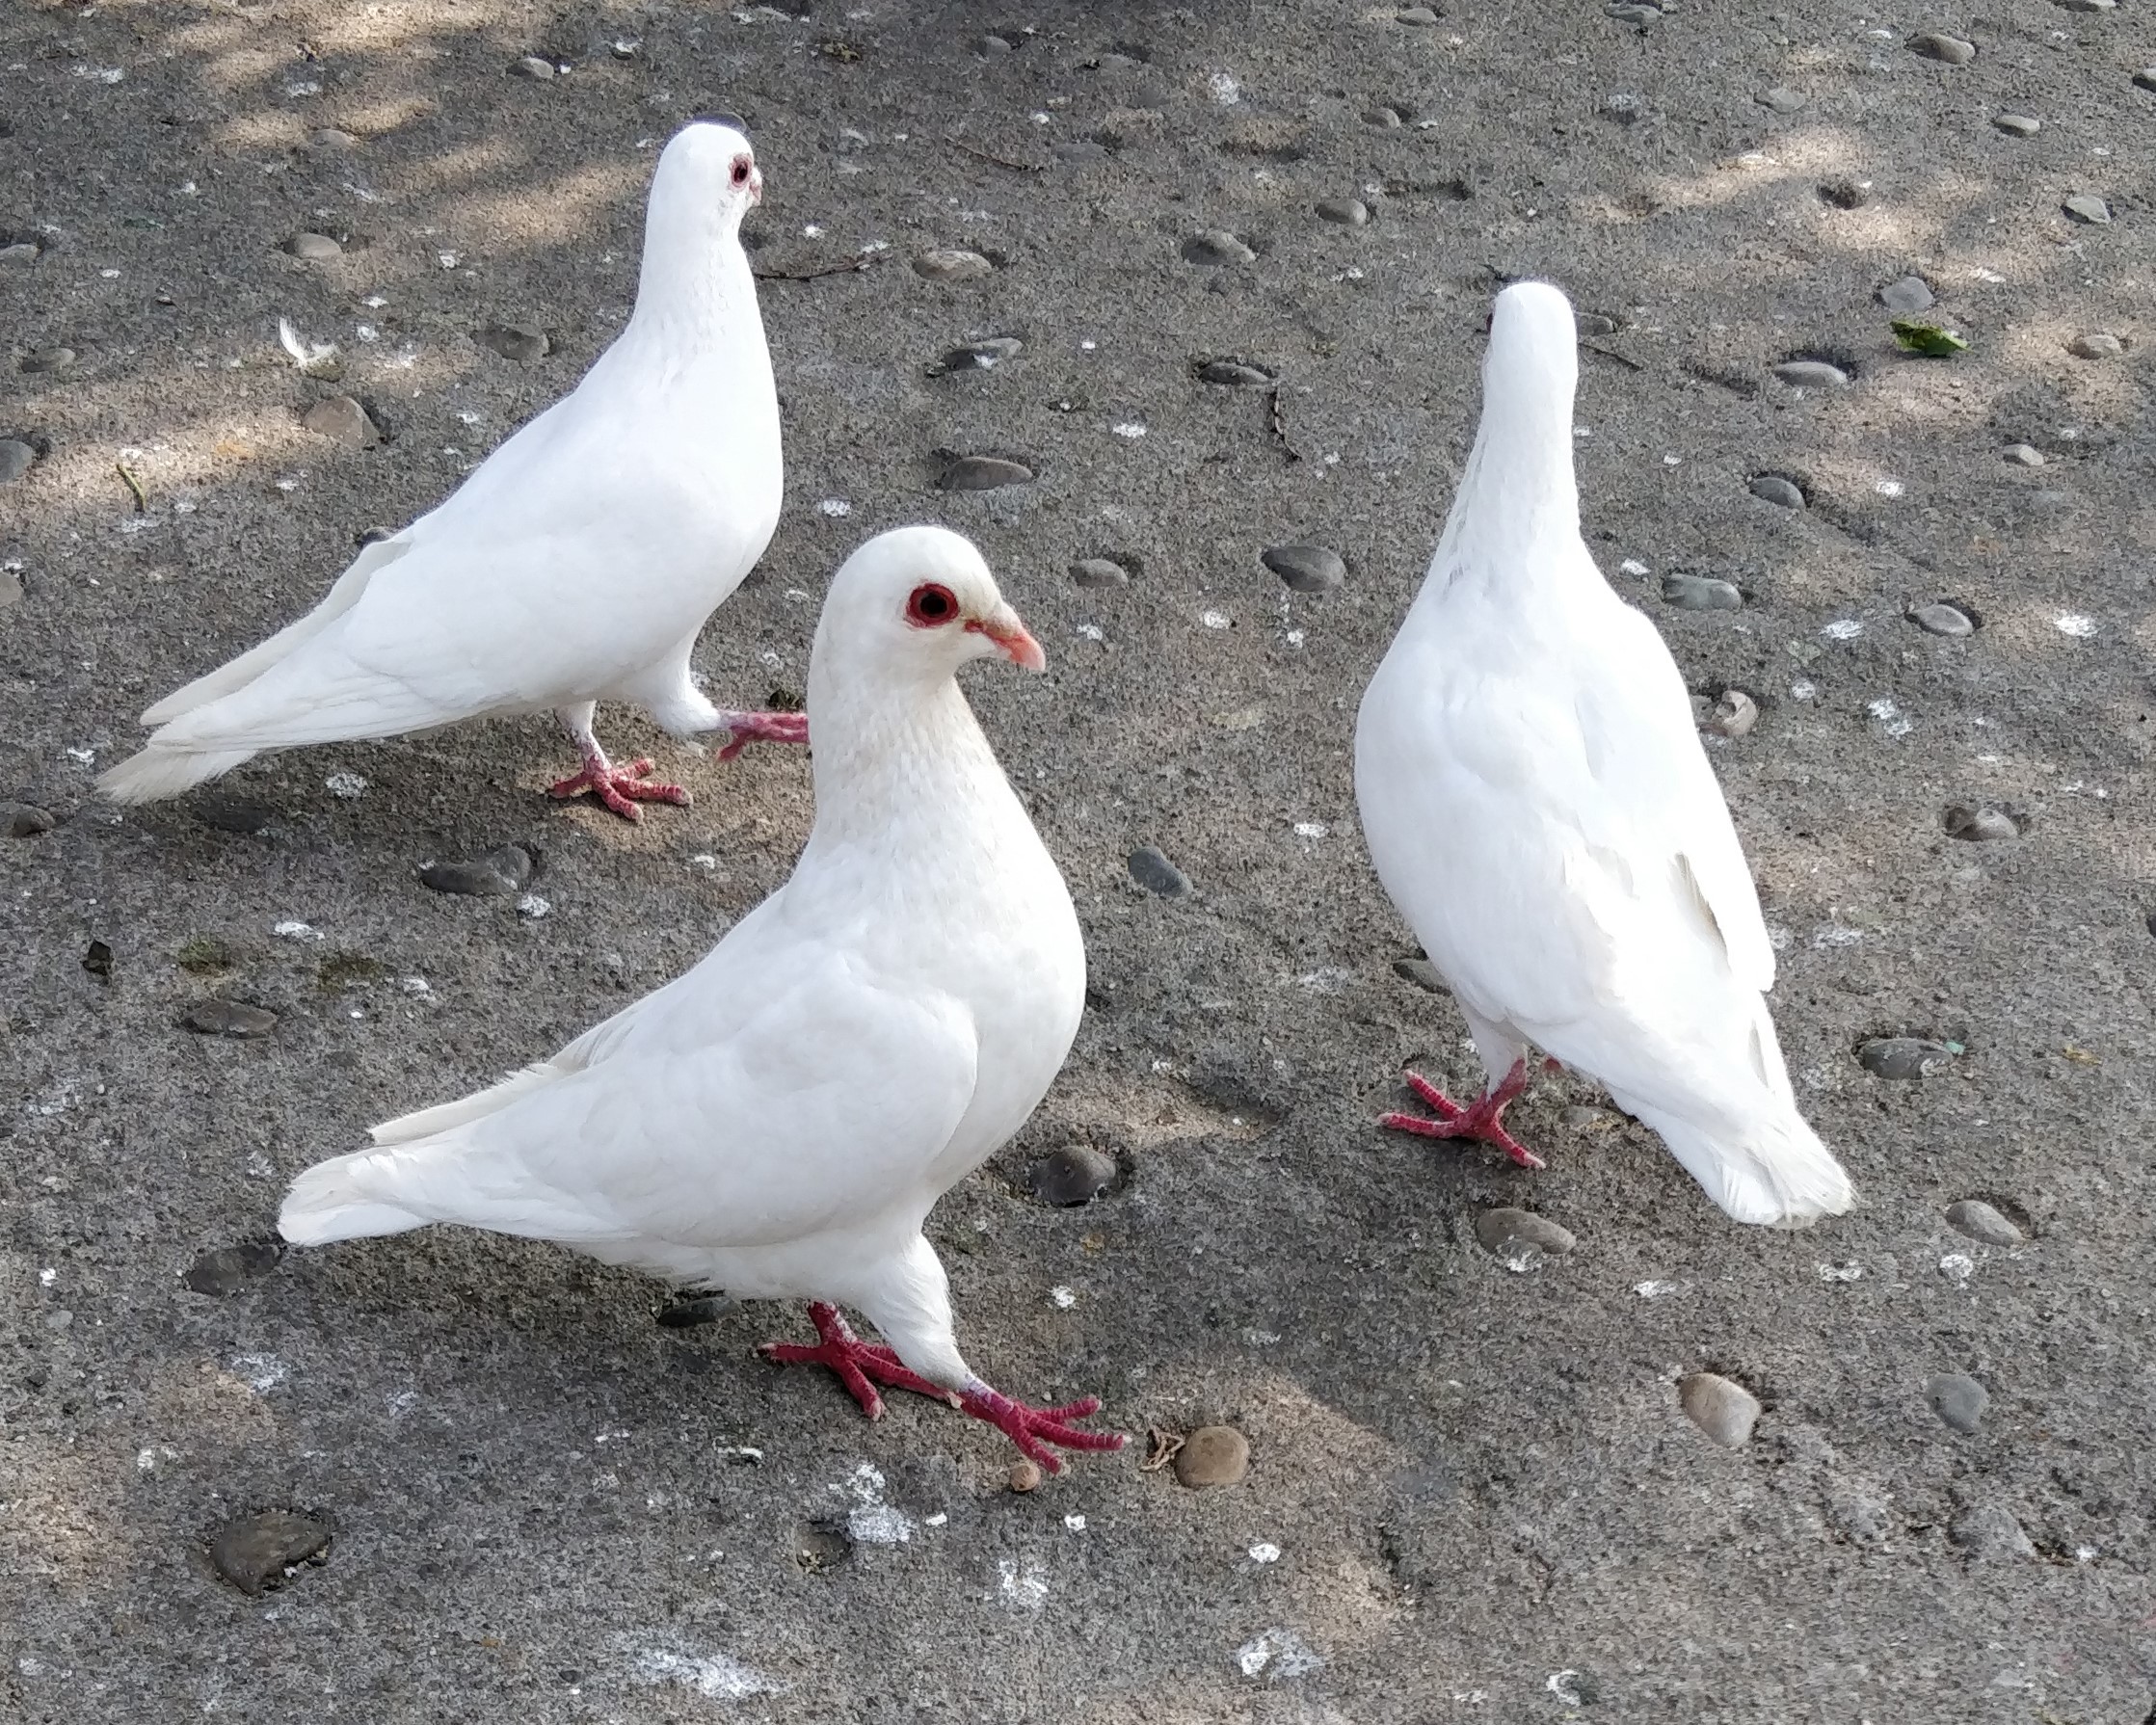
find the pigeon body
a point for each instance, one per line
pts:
(1540, 807)
(577, 564)
(779, 1121)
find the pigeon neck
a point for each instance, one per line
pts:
(696, 289)
(1518, 501)
(885, 752)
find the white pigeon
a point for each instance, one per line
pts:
(1538, 804)
(577, 564)
(778, 1121)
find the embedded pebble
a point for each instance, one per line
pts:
(20, 251)
(1942, 619)
(334, 138)
(983, 473)
(1734, 715)
(1990, 1534)
(2023, 455)
(521, 342)
(1420, 17)
(1903, 1056)
(1520, 1239)
(2146, 79)
(315, 246)
(1782, 99)
(951, 263)
(340, 417)
(1025, 1477)
(2019, 126)
(705, 1309)
(1724, 1411)
(1213, 1455)
(1640, 16)
(1776, 489)
(17, 458)
(2085, 4)
(227, 1270)
(253, 1552)
(234, 1019)
(1349, 212)
(1099, 571)
(1978, 1220)
(48, 358)
(1234, 374)
(1156, 873)
(1959, 1400)
(1978, 824)
(979, 355)
(1420, 972)
(1912, 293)
(2084, 207)
(1700, 592)
(26, 820)
(532, 67)
(1384, 118)
(1075, 1175)
(1948, 50)
(1846, 193)
(1812, 374)
(1307, 568)
(2098, 344)
(1215, 247)
(499, 873)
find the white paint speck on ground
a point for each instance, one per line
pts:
(1215, 620)
(46, 1278)
(1282, 1653)
(1131, 428)
(1843, 628)
(715, 1676)
(1091, 631)
(1888, 488)
(1561, 1685)
(1656, 1291)
(294, 931)
(1631, 565)
(263, 1373)
(938, 1519)
(1022, 1585)
(1839, 1273)
(836, 508)
(1063, 1297)
(1310, 829)
(1074, 1523)
(1224, 90)
(872, 1522)
(1957, 1266)
(2074, 624)
(1265, 1552)
(533, 905)
(348, 785)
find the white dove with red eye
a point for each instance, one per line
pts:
(1538, 804)
(577, 563)
(779, 1121)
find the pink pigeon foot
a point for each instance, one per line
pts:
(620, 788)
(745, 728)
(857, 1361)
(1482, 1119)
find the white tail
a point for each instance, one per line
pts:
(330, 1202)
(162, 771)
(428, 1123)
(1775, 1173)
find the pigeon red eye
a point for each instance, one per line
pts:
(740, 170)
(931, 605)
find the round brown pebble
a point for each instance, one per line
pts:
(1213, 1455)
(1025, 1477)
(1724, 1411)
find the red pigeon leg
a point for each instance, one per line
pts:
(1030, 1427)
(744, 729)
(620, 788)
(1481, 1118)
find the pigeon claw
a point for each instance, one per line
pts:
(621, 788)
(1481, 1118)
(855, 1361)
(1032, 1429)
(744, 729)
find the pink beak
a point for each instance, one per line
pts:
(1012, 640)
(755, 185)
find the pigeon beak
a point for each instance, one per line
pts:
(755, 185)
(1011, 639)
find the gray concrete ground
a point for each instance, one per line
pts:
(1473, 1491)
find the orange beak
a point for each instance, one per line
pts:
(1012, 640)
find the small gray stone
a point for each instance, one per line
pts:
(2018, 126)
(951, 263)
(1639, 16)
(2087, 207)
(26, 820)
(1912, 293)
(344, 419)
(234, 1019)
(1776, 489)
(335, 139)
(1213, 1455)
(313, 246)
(1521, 1239)
(1307, 568)
(521, 342)
(532, 67)
(983, 473)
(19, 252)
(1349, 212)
(1812, 374)
(255, 1552)
(2085, 4)
(1734, 714)
(497, 875)
(1099, 571)
(690, 1315)
(16, 459)
(1215, 247)
(1782, 99)
(49, 358)
(1421, 973)
(1948, 50)
(1978, 824)
(1904, 1057)
(1420, 17)
(994, 47)
(1724, 1411)
(1957, 1399)
(1942, 619)
(1700, 592)
(1990, 1534)
(979, 355)
(227, 1270)
(1384, 119)
(1156, 873)
(2144, 79)
(2023, 455)
(2097, 344)
(1593, 323)
(1234, 374)
(1978, 1220)
(1075, 1175)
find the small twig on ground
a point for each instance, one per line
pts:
(1279, 421)
(999, 161)
(1164, 1446)
(142, 502)
(848, 268)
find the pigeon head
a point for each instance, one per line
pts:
(708, 166)
(915, 604)
(1532, 369)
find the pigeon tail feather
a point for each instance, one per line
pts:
(1775, 1173)
(162, 771)
(430, 1123)
(330, 1202)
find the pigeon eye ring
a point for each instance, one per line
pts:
(741, 170)
(931, 606)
